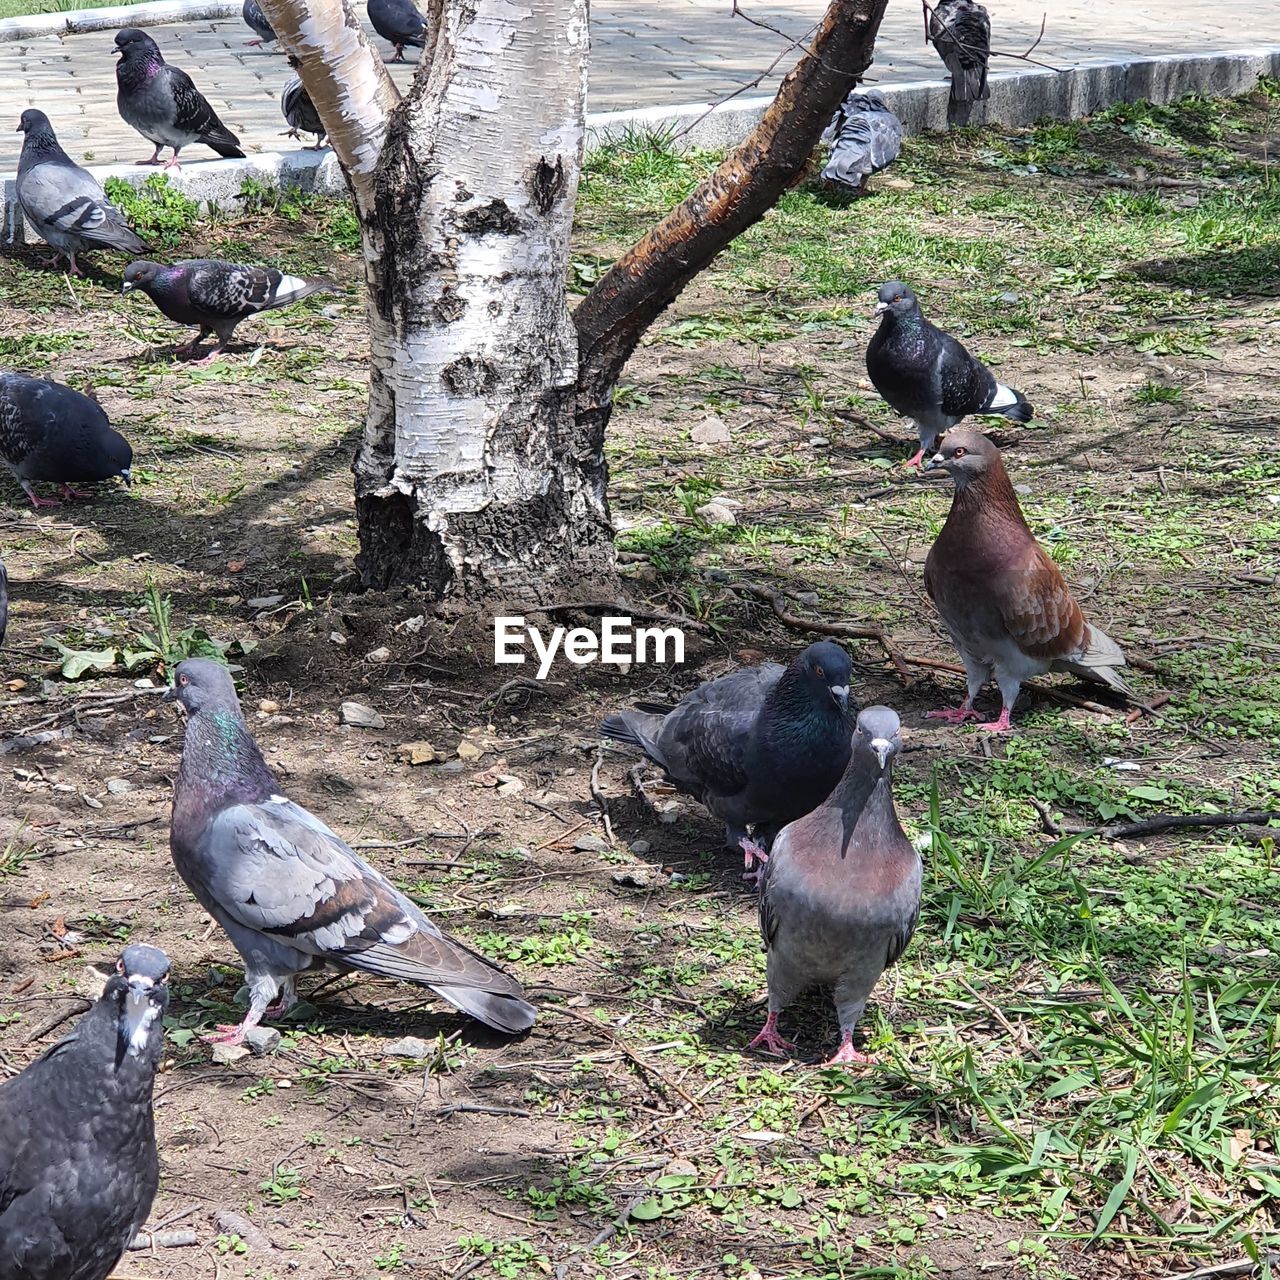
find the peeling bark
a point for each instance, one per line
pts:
(613, 317)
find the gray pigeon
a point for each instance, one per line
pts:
(65, 203)
(51, 433)
(927, 376)
(1002, 599)
(960, 30)
(257, 22)
(865, 137)
(758, 747)
(78, 1164)
(841, 890)
(163, 104)
(300, 113)
(290, 894)
(214, 295)
(399, 23)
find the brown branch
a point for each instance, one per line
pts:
(647, 278)
(1154, 825)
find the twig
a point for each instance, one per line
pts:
(164, 1239)
(236, 1224)
(1154, 825)
(513, 686)
(25, 741)
(617, 606)
(68, 1011)
(598, 795)
(453, 1108)
(1220, 1270)
(605, 1233)
(993, 53)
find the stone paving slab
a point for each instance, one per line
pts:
(645, 53)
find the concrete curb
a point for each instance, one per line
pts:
(1017, 98)
(77, 22)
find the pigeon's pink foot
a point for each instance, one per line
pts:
(226, 1034)
(280, 1008)
(253, 44)
(916, 459)
(753, 853)
(37, 501)
(52, 260)
(175, 163)
(212, 356)
(999, 725)
(770, 1040)
(847, 1054)
(68, 493)
(953, 715)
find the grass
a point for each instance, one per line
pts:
(24, 8)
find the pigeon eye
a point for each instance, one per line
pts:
(960, 451)
(818, 671)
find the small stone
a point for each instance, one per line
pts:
(716, 513)
(332, 311)
(264, 602)
(408, 1047)
(1023, 488)
(416, 753)
(633, 877)
(380, 654)
(227, 1055)
(469, 750)
(510, 786)
(91, 802)
(590, 844)
(711, 430)
(262, 1040)
(1009, 299)
(807, 598)
(640, 846)
(818, 442)
(356, 713)
(268, 707)
(669, 811)
(119, 786)
(336, 637)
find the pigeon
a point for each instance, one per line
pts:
(927, 376)
(162, 104)
(865, 137)
(758, 747)
(257, 22)
(399, 23)
(290, 894)
(214, 295)
(1001, 598)
(65, 203)
(840, 893)
(78, 1163)
(51, 433)
(4, 601)
(300, 113)
(960, 31)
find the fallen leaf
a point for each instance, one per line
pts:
(235, 566)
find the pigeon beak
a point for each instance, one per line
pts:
(127, 476)
(881, 308)
(935, 461)
(840, 692)
(883, 749)
(140, 1011)
(170, 694)
(127, 287)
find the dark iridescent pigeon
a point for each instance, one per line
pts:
(758, 747)
(865, 137)
(960, 31)
(214, 295)
(399, 23)
(257, 22)
(65, 203)
(301, 114)
(1002, 599)
(290, 894)
(78, 1164)
(927, 376)
(162, 103)
(841, 890)
(51, 433)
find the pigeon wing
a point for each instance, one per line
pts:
(193, 114)
(1037, 607)
(965, 384)
(67, 199)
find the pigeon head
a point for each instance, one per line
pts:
(827, 669)
(33, 121)
(132, 42)
(879, 732)
(896, 299)
(141, 275)
(140, 57)
(965, 455)
(201, 684)
(139, 994)
(865, 103)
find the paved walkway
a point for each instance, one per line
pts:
(646, 53)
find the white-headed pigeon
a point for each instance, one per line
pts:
(291, 895)
(65, 203)
(215, 295)
(78, 1164)
(841, 890)
(1001, 598)
(51, 433)
(163, 104)
(927, 376)
(758, 747)
(399, 23)
(865, 137)
(960, 31)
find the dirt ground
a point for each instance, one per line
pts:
(629, 1134)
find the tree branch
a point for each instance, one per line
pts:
(346, 79)
(645, 281)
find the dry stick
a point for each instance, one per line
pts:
(598, 795)
(621, 608)
(1153, 826)
(994, 53)
(163, 1239)
(481, 1109)
(619, 1043)
(1219, 1271)
(605, 1233)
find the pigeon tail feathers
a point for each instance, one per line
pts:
(1011, 403)
(640, 729)
(502, 1012)
(1097, 661)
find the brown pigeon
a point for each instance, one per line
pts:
(1001, 598)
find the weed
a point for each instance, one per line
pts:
(156, 210)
